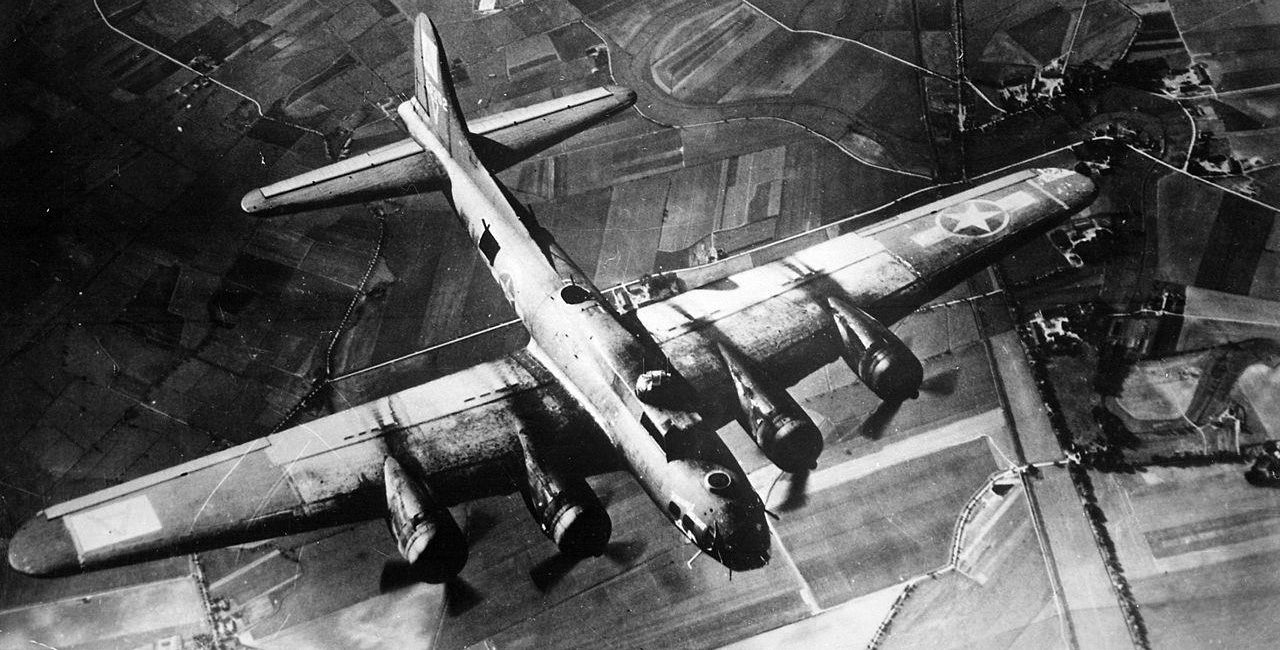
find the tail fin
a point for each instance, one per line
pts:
(433, 88)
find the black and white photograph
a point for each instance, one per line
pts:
(752, 324)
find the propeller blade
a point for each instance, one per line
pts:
(941, 384)
(397, 574)
(797, 495)
(875, 425)
(460, 597)
(625, 553)
(549, 572)
(478, 524)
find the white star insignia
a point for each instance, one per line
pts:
(978, 217)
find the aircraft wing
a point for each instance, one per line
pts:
(457, 433)
(780, 316)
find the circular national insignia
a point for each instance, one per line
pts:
(975, 218)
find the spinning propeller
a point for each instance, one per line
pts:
(873, 427)
(549, 572)
(459, 595)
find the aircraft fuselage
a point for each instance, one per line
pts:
(680, 462)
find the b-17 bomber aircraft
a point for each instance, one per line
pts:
(595, 390)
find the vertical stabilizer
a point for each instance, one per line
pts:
(433, 89)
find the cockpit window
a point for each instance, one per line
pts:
(573, 294)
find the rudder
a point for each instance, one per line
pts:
(433, 88)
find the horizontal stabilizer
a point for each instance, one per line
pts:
(501, 140)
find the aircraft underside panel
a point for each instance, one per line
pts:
(456, 434)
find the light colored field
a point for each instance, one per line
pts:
(407, 620)
(1162, 389)
(1106, 28)
(1002, 597)
(1266, 280)
(1200, 16)
(883, 527)
(1260, 104)
(624, 21)
(633, 230)
(94, 620)
(692, 206)
(713, 142)
(1030, 416)
(787, 69)
(528, 54)
(657, 153)
(1213, 317)
(742, 192)
(624, 159)
(1003, 49)
(1259, 385)
(851, 625)
(1201, 550)
(701, 49)
(1086, 587)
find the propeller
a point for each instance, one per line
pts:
(873, 426)
(397, 574)
(941, 384)
(796, 496)
(876, 423)
(459, 595)
(550, 571)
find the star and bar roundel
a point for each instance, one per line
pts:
(974, 218)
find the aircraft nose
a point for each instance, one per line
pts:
(742, 537)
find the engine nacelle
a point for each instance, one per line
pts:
(880, 359)
(426, 534)
(566, 508)
(783, 431)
